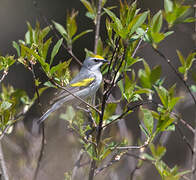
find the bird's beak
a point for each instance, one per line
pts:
(105, 61)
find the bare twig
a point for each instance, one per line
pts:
(186, 124)
(115, 158)
(146, 143)
(3, 165)
(4, 75)
(125, 113)
(184, 139)
(100, 128)
(111, 61)
(34, 77)
(77, 164)
(138, 45)
(97, 25)
(51, 26)
(41, 152)
(176, 72)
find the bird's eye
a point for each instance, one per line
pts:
(96, 60)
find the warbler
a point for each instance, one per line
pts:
(85, 84)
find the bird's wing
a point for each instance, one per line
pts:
(76, 87)
(77, 84)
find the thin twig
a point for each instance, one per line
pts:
(41, 152)
(97, 25)
(4, 75)
(51, 26)
(77, 164)
(140, 41)
(99, 129)
(115, 158)
(146, 143)
(3, 165)
(111, 61)
(184, 139)
(176, 72)
(186, 124)
(34, 77)
(193, 176)
(125, 113)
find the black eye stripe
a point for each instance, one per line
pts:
(96, 60)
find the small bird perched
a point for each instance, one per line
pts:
(84, 85)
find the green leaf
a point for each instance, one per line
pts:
(60, 29)
(189, 20)
(44, 32)
(144, 130)
(165, 123)
(182, 69)
(88, 6)
(173, 102)
(138, 21)
(109, 110)
(71, 24)
(111, 118)
(190, 59)
(46, 46)
(193, 88)
(168, 5)
(115, 19)
(155, 74)
(55, 50)
(148, 120)
(5, 105)
(144, 79)
(170, 128)
(181, 58)
(81, 34)
(157, 21)
(30, 38)
(163, 95)
(168, 33)
(157, 37)
(69, 115)
(17, 47)
(49, 84)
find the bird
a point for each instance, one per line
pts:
(84, 85)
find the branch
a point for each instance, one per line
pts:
(47, 22)
(146, 143)
(193, 176)
(41, 152)
(176, 72)
(3, 76)
(3, 165)
(97, 23)
(34, 77)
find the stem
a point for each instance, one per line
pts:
(3, 165)
(193, 176)
(35, 3)
(97, 31)
(97, 23)
(176, 72)
(3, 76)
(41, 152)
(34, 77)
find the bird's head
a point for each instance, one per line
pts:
(94, 62)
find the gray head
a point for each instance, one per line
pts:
(94, 63)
